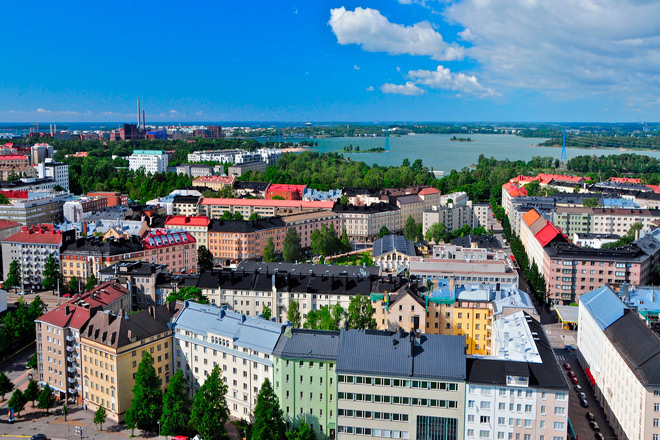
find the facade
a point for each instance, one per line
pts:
(84, 257)
(305, 379)
(393, 253)
(83, 207)
(244, 239)
(619, 221)
(42, 208)
(31, 247)
(305, 223)
(176, 249)
(411, 205)
(57, 171)
(112, 198)
(185, 205)
(620, 355)
(250, 189)
(216, 183)
(595, 241)
(150, 161)
(194, 170)
(140, 277)
(398, 385)
(216, 207)
(224, 156)
(242, 346)
(197, 226)
(363, 223)
(455, 210)
(239, 169)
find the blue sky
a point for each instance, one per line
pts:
(388, 60)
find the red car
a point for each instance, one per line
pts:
(574, 380)
(180, 437)
(567, 366)
(571, 374)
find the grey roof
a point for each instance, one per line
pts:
(409, 198)
(482, 241)
(396, 243)
(134, 268)
(638, 345)
(298, 343)
(245, 331)
(316, 269)
(603, 305)
(395, 354)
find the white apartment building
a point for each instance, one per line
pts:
(363, 223)
(269, 155)
(225, 156)
(58, 171)
(621, 358)
(150, 161)
(206, 336)
(618, 221)
(518, 392)
(455, 210)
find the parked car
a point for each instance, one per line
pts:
(583, 396)
(584, 403)
(39, 437)
(600, 436)
(574, 380)
(578, 388)
(180, 437)
(571, 374)
(567, 366)
(590, 416)
(66, 295)
(594, 426)
(570, 348)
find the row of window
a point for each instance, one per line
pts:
(382, 433)
(398, 400)
(373, 415)
(404, 383)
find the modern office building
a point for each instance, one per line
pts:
(149, 161)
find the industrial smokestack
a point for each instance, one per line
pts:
(144, 122)
(138, 109)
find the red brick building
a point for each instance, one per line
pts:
(287, 192)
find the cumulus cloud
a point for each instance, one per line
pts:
(356, 67)
(43, 110)
(370, 89)
(409, 89)
(372, 31)
(443, 78)
(173, 112)
(599, 47)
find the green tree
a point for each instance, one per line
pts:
(590, 202)
(344, 240)
(13, 278)
(410, 229)
(91, 282)
(176, 406)
(6, 385)
(188, 292)
(73, 284)
(237, 216)
(383, 231)
(361, 313)
(17, 401)
(293, 314)
(420, 232)
(254, 216)
(301, 432)
(325, 318)
(291, 247)
(268, 417)
(343, 199)
(269, 251)
(204, 258)
(436, 232)
(226, 215)
(147, 405)
(130, 421)
(4, 200)
(46, 398)
(65, 410)
(99, 417)
(266, 312)
(32, 392)
(209, 410)
(51, 273)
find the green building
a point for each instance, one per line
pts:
(572, 220)
(305, 378)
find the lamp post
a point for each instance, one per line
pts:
(158, 428)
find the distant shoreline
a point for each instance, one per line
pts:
(597, 148)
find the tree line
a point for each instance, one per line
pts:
(358, 316)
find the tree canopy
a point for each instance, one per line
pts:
(209, 410)
(147, 405)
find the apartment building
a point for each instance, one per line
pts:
(520, 390)
(197, 226)
(57, 171)
(140, 277)
(619, 221)
(187, 205)
(305, 379)
(38, 208)
(31, 247)
(149, 161)
(176, 249)
(215, 207)
(411, 205)
(112, 198)
(455, 210)
(509, 192)
(244, 239)
(112, 347)
(536, 233)
(206, 336)
(595, 241)
(574, 220)
(82, 208)
(285, 192)
(247, 189)
(194, 170)
(363, 223)
(224, 156)
(399, 385)
(305, 223)
(239, 169)
(87, 256)
(216, 183)
(620, 355)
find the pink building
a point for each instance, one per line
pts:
(175, 248)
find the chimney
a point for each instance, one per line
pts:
(144, 123)
(415, 322)
(138, 113)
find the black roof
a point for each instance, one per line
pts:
(186, 199)
(546, 374)
(397, 354)
(254, 186)
(638, 345)
(95, 246)
(298, 343)
(133, 268)
(563, 249)
(245, 226)
(317, 269)
(483, 241)
(373, 208)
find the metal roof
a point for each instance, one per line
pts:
(298, 343)
(396, 243)
(603, 305)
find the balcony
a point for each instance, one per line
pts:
(70, 359)
(70, 338)
(71, 369)
(70, 348)
(72, 391)
(71, 380)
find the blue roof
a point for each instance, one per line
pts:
(154, 152)
(603, 305)
(246, 331)
(391, 243)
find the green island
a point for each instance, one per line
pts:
(460, 139)
(351, 149)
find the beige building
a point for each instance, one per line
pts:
(411, 205)
(306, 223)
(112, 347)
(363, 223)
(214, 208)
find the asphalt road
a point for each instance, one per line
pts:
(14, 367)
(576, 413)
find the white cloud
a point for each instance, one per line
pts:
(409, 89)
(370, 89)
(43, 110)
(198, 113)
(356, 67)
(372, 31)
(566, 48)
(443, 78)
(173, 112)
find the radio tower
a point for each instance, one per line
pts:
(563, 149)
(387, 139)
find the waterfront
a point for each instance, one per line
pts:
(439, 153)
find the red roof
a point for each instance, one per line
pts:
(38, 234)
(655, 188)
(184, 220)
(161, 237)
(282, 187)
(15, 194)
(67, 315)
(427, 191)
(625, 180)
(102, 295)
(12, 157)
(513, 190)
(8, 145)
(547, 234)
(268, 203)
(521, 178)
(227, 180)
(546, 178)
(7, 224)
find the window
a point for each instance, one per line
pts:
(559, 426)
(484, 419)
(560, 411)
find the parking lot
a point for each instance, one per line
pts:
(576, 413)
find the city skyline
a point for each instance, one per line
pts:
(352, 61)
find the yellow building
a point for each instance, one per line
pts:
(112, 347)
(474, 320)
